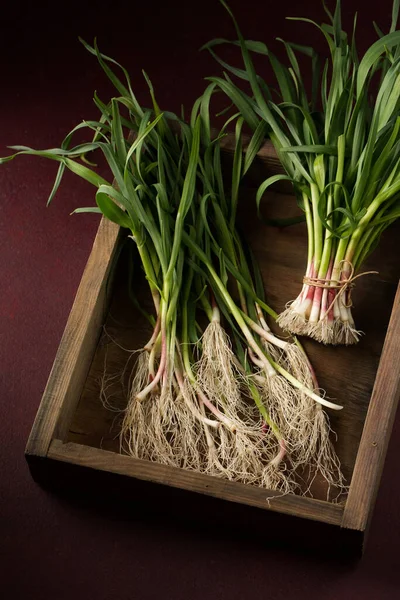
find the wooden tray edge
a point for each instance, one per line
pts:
(103, 460)
(377, 429)
(75, 351)
(84, 321)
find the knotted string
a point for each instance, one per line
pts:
(343, 285)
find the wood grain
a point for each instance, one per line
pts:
(73, 426)
(266, 156)
(103, 460)
(282, 256)
(265, 164)
(77, 345)
(377, 429)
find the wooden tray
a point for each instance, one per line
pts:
(73, 433)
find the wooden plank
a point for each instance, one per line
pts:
(103, 460)
(267, 153)
(77, 347)
(377, 429)
(265, 164)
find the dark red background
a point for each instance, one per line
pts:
(51, 547)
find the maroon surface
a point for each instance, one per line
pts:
(50, 547)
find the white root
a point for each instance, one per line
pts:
(281, 401)
(339, 330)
(173, 426)
(296, 362)
(213, 466)
(221, 380)
(302, 423)
(346, 333)
(164, 428)
(248, 453)
(293, 321)
(134, 437)
(316, 452)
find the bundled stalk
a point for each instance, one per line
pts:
(340, 148)
(243, 405)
